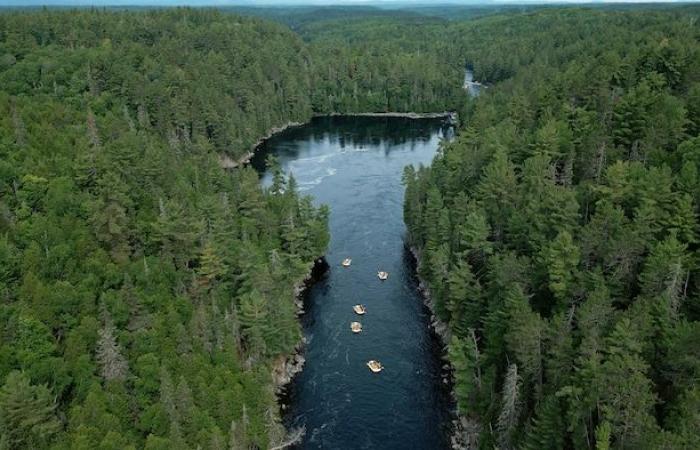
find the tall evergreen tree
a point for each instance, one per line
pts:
(27, 413)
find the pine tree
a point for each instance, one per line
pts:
(681, 220)
(464, 299)
(278, 181)
(594, 317)
(27, 413)
(185, 407)
(464, 356)
(629, 121)
(627, 399)
(548, 429)
(665, 272)
(293, 235)
(412, 207)
(602, 436)
(473, 237)
(431, 218)
(211, 267)
(496, 191)
(553, 140)
(167, 395)
(138, 316)
(684, 417)
(525, 336)
(435, 269)
(561, 259)
(110, 217)
(253, 316)
(560, 352)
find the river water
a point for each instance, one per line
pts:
(473, 88)
(354, 165)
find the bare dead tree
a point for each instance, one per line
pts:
(472, 336)
(113, 365)
(127, 117)
(510, 406)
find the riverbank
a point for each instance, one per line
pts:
(465, 431)
(406, 115)
(286, 367)
(226, 162)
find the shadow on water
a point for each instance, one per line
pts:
(348, 132)
(354, 164)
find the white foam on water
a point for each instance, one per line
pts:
(354, 150)
(307, 185)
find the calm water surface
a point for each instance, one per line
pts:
(354, 165)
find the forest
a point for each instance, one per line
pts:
(558, 233)
(147, 293)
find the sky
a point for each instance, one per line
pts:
(309, 2)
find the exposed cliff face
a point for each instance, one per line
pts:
(285, 367)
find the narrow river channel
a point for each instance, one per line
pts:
(354, 165)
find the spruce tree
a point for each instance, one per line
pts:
(27, 413)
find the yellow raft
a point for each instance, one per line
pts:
(359, 309)
(375, 366)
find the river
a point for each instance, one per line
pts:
(354, 165)
(473, 87)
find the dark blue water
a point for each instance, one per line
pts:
(354, 165)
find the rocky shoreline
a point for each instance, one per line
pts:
(465, 431)
(227, 163)
(286, 367)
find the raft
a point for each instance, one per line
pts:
(383, 275)
(356, 327)
(359, 309)
(375, 366)
(346, 262)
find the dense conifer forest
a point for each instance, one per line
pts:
(146, 293)
(558, 233)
